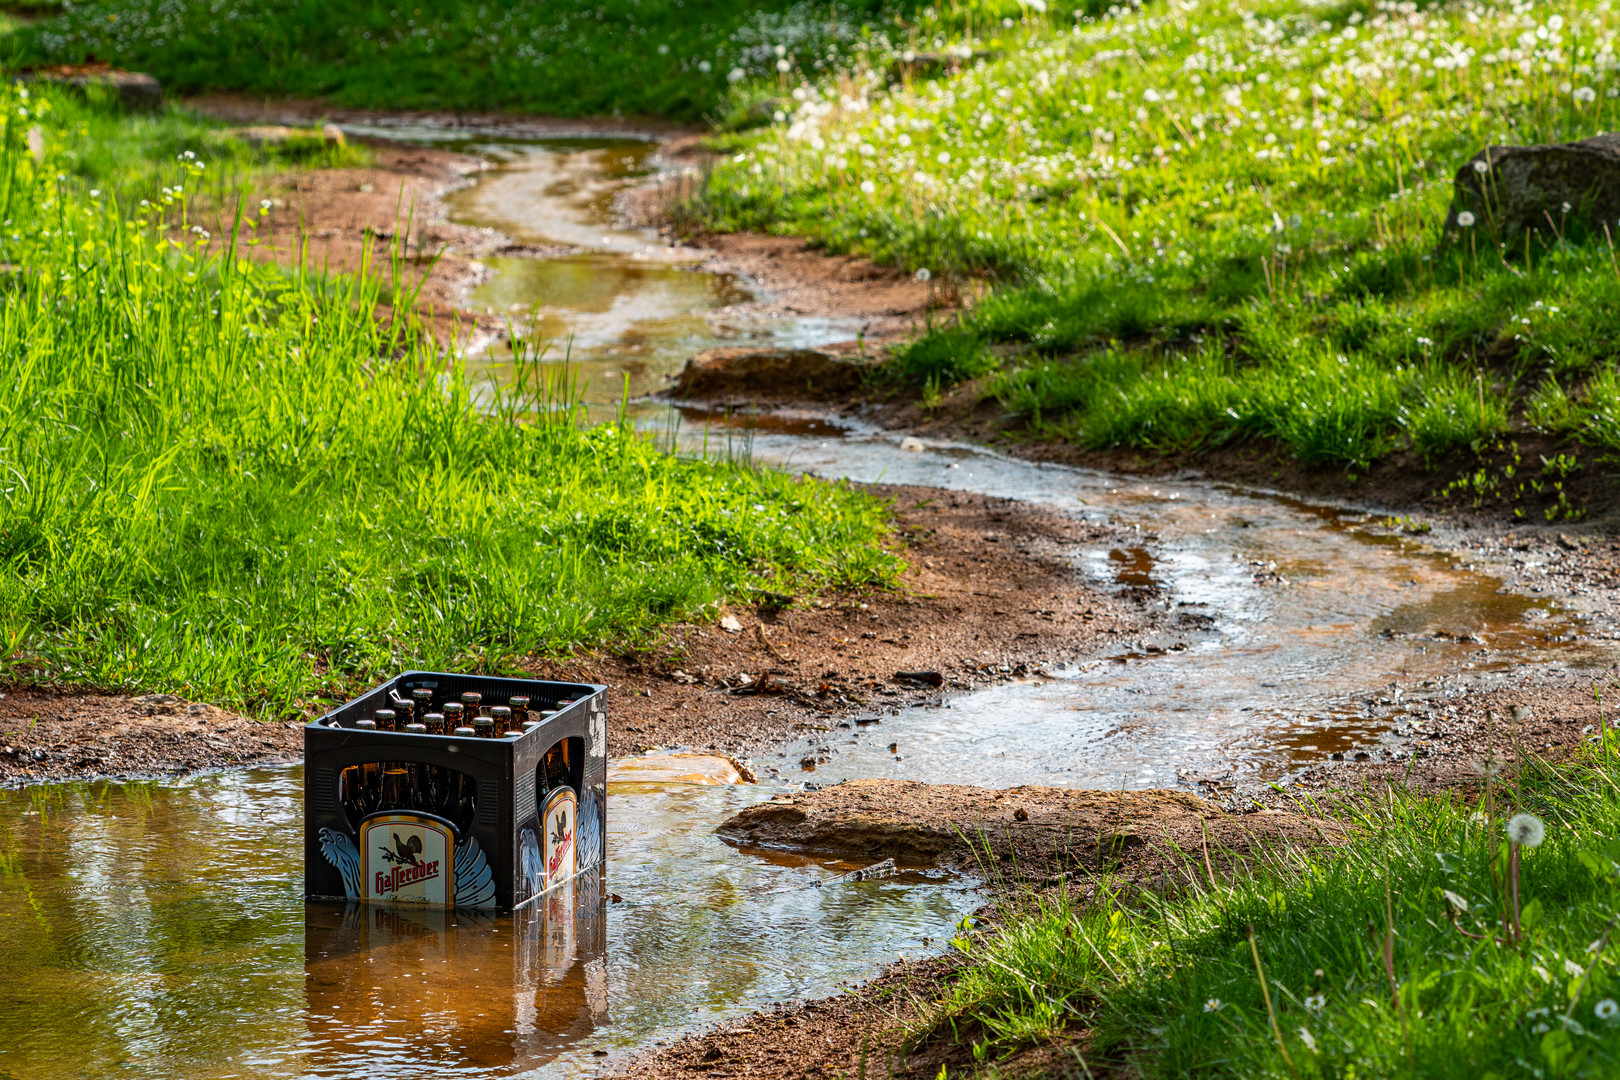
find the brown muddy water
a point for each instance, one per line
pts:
(618, 307)
(159, 929)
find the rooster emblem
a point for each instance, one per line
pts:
(404, 852)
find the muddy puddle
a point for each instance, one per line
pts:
(1292, 633)
(618, 307)
(160, 930)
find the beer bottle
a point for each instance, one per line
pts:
(502, 716)
(520, 711)
(354, 795)
(556, 770)
(395, 782)
(435, 723)
(484, 726)
(404, 714)
(453, 717)
(416, 729)
(366, 725)
(470, 701)
(385, 719)
(424, 700)
(465, 732)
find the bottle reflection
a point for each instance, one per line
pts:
(400, 989)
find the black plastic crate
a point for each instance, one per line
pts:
(468, 826)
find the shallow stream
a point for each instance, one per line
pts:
(158, 929)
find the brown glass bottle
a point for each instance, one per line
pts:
(424, 700)
(502, 715)
(454, 717)
(385, 719)
(484, 727)
(520, 711)
(435, 723)
(396, 784)
(470, 703)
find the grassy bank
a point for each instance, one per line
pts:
(227, 480)
(676, 58)
(1402, 954)
(1208, 223)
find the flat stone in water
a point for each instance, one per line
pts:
(667, 768)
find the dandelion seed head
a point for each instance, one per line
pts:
(1481, 167)
(924, 274)
(1606, 1010)
(1465, 218)
(1316, 1002)
(1526, 830)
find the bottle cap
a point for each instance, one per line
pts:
(472, 696)
(519, 703)
(466, 732)
(511, 734)
(434, 719)
(452, 707)
(416, 729)
(499, 711)
(422, 693)
(384, 714)
(530, 725)
(367, 725)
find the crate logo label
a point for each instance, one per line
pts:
(560, 821)
(407, 859)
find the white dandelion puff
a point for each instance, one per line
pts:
(736, 75)
(1586, 95)
(1465, 218)
(867, 187)
(944, 157)
(1316, 1002)
(1482, 167)
(1526, 830)
(924, 275)
(1606, 1010)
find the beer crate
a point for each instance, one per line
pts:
(464, 822)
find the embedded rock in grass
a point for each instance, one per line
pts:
(1510, 189)
(790, 372)
(139, 92)
(1028, 829)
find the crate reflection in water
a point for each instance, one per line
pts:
(399, 989)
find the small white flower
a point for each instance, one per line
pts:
(95, 193)
(1573, 970)
(867, 187)
(784, 66)
(705, 67)
(1465, 218)
(1481, 167)
(1316, 1003)
(924, 274)
(1526, 830)
(1212, 1005)
(1606, 1010)
(736, 75)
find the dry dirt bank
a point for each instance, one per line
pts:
(991, 594)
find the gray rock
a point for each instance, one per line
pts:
(1510, 189)
(139, 92)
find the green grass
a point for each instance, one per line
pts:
(1222, 221)
(672, 58)
(1166, 983)
(227, 480)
